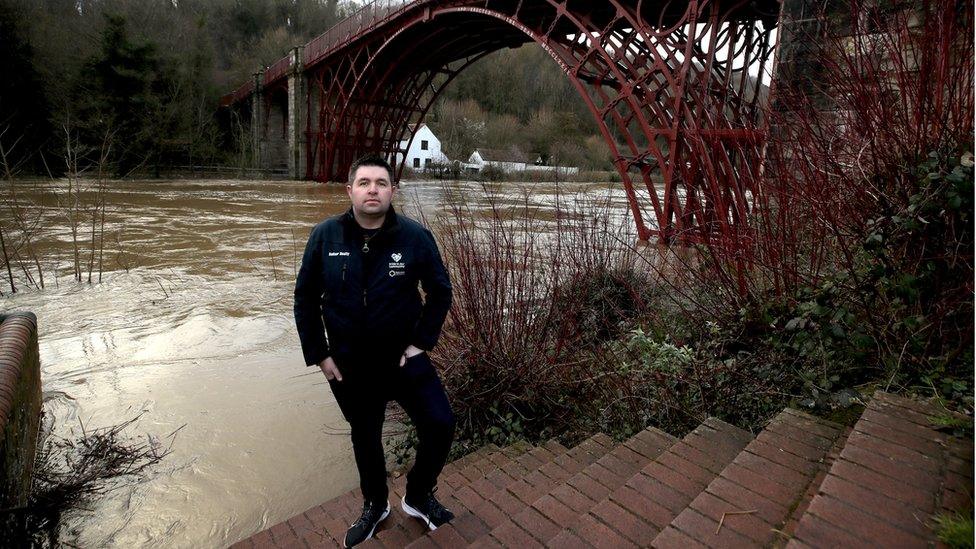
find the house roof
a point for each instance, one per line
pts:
(499, 155)
(414, 127)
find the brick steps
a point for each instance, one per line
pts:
(756, 492)
(633, 513)
(801, 482)
(467, 491)
(571, 495)
(324, 525)
(895, 472)
(789, 528)
(399, 527)
(491, 510)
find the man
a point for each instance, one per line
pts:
(359, 278)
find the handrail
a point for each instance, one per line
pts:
(341, 33)
(276, 70)
(243, 91)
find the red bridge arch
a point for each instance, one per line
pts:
(676, 89)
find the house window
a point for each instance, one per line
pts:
(426, 162)
(423, 145)
(416, 162)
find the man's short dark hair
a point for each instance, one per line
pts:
(371, 160)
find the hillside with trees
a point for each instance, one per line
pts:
(142, 78)
(518, 98)
(145, 75)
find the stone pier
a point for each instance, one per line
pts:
(297, 116)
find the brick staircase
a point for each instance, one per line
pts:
(801, 482)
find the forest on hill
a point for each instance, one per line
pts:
(142, 78)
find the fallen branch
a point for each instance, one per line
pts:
(72, 473)
(730, 513)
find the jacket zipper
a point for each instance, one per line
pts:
(366, 250)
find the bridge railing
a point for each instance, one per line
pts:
(364, 18)
(241, 93)
(277, 69)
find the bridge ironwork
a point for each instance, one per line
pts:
(676, 88)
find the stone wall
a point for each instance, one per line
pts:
(20, 405)
(274, 135)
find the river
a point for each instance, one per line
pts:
(192, 328)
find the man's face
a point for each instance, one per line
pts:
(371, 191)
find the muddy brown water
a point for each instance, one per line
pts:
(192, 328)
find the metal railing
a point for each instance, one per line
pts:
(241, 93)
(366, 17)
(277, 70)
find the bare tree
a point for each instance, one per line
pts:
(24, 221)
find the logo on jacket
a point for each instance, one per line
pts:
(396, 267)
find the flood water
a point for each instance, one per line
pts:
(192, 328)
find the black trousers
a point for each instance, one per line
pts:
(362, 396)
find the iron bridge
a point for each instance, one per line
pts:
(677, 89)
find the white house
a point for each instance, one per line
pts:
(509, 161)
(424, 150)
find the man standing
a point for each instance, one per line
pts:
(359, 280)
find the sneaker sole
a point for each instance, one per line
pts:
(371, 532)
(416, 514)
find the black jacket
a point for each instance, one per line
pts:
(369, 303)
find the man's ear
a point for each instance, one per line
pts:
(349, 190)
